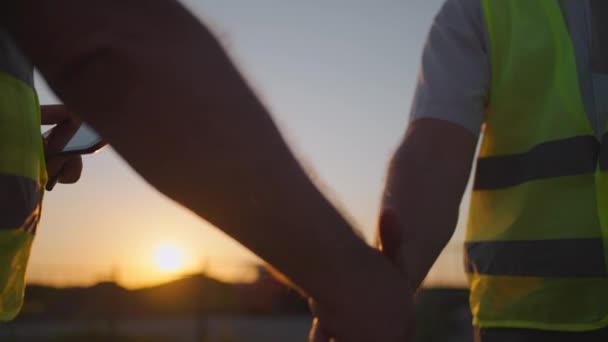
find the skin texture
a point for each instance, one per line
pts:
(149, 68)
(426, 180)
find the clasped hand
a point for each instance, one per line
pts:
(380, 308)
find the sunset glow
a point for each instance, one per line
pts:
(324, 95)
(169, 258)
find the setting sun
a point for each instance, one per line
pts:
(169, 258)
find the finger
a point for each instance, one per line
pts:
(67, 124)
(312, 305)
(66, 169)
(390, 234)
(392, 241)
(317, 334)
(50, 184)
(63, 169)
(54, 165)
(61, 135)
(71, 171)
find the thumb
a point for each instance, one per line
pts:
(390, 234)
(392, 240)
(392, 245)
(317, 334)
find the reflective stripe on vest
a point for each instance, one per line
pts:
(536, 246)
(566, 157)
(19, 201)
(22, 174)
(542, 258)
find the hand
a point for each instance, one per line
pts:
(390, 240)
(398, 326)
(62, 169)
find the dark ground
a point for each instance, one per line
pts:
(442, 314)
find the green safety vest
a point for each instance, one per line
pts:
(22, 174)
(538, 223)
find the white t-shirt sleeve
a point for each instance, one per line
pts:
(454, 78)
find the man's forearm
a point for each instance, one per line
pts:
(426, 180)
(160, 89)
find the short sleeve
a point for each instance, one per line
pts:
(454, 77)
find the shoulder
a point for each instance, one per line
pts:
(454, 75)
(463, 17)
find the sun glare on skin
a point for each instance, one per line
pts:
(169, 258)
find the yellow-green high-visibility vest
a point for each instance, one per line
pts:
(538, 223)
(22, 174)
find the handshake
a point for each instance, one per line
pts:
(380, 308)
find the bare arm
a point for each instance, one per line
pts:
(158, 86)
(426, 181)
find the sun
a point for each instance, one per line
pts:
(169, 258)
